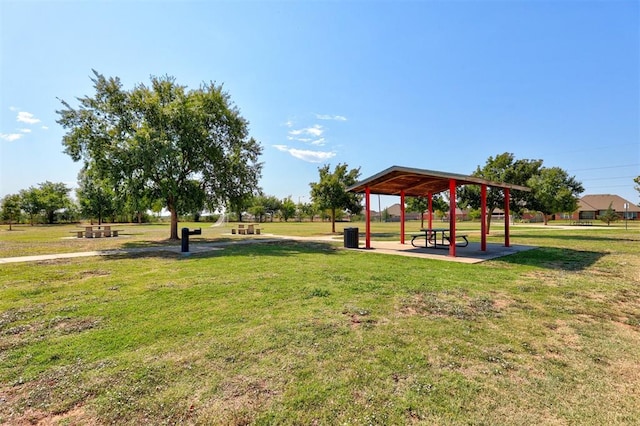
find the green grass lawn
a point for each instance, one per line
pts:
(306, 333)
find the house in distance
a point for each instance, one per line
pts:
(591, 207)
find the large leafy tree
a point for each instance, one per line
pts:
(53, 196)
(134, 198)
(95, 195)
(421, 205)
(331, 191)
(262, 205)
(287, 209)
(308, 209)
(165, 138)
(30, 202)
(553, 191)
(502, 168)
(10, 211)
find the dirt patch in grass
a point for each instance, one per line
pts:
(238, 401)
(359, 317)
(67, 325)
(94, 273)
(453, 304)
(53, 262)
(74, 417)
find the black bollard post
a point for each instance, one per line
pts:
(185, 240)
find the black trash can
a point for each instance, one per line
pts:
(351, 238)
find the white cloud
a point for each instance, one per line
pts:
(331, 117)
(12, 108)
(25, 130)
(27, 117)
(291, 138)
(318, 142)
(45, 127)
(11, 137)
(307, 155)
(289, 123)
(316, 131)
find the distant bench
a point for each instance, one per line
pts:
(249, 230)
(89, 232)
(582, 222)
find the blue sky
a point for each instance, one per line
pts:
(439, 85)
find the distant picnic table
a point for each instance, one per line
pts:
(250, 229)
(430, 236)
(97, 232)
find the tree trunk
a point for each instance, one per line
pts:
(545, 219)
(174, 223)
(333, 220)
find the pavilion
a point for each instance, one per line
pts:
(411, 182)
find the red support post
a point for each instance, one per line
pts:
(430, 200)
(402, 217)
(367, 198)
(483, 217)
(452, 217)
(507, 243)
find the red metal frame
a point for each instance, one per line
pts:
(452, 217)
(402, 217)
(367, 193)
(483, 217)
(507, 200)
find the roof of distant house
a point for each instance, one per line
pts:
(598, 202)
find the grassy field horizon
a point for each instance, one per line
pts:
(306, 333)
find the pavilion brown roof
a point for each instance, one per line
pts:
(420, 182)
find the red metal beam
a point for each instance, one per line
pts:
(506, 217)
(367, 198)
(483, 217)
(402, 217)
(452, 217)
(430, 198)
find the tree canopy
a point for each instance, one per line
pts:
(502, 168)
(553, 191)
(96, 196)
(10, 210)
(421, 205)
(189, 148)
(330, 192)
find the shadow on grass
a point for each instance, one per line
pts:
(565, 237)
(555, 258)
(375, 235)
(167, 242)
(217, 248)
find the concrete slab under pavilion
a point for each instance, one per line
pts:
(470, 254)
(412, 182)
